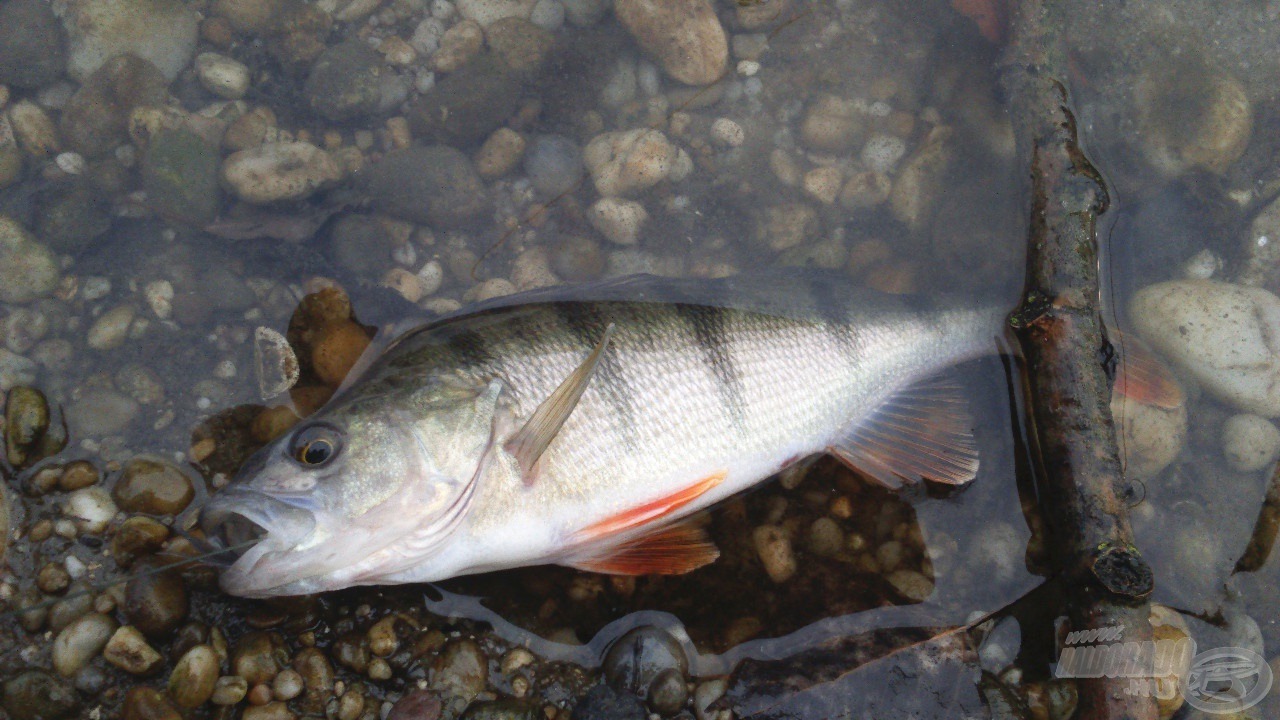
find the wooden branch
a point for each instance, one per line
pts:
(1069, 361)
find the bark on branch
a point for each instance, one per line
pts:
(1069, 360)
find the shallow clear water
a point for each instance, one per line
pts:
(865, 137)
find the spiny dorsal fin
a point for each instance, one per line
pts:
(672, 550)
(529, 442)
(922, 432)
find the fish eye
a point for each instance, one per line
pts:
(314, 446)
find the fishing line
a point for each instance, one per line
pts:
(96, 588)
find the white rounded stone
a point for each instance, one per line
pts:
(1225, 336)
(1250, 443)
(222, 76)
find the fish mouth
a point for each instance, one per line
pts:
(246, 531)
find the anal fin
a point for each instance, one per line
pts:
(922, 432)
(672, 550)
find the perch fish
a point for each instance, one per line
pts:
(581, 427)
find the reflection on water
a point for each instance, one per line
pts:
(422, 156)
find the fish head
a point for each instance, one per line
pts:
(354, 494)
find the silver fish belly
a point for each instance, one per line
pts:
(613, 419)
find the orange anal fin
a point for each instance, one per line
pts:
(1144, 377)
(672, 550)
(922, 432)
(649, 512)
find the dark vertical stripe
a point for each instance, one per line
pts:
(832, 305)
(470, 348)
(586, 323)
(709, 326)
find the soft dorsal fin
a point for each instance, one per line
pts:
(672, 550)
(530, 441)
(922, 432)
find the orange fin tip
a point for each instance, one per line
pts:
(923, 432)
(673, 550)
(654, 510)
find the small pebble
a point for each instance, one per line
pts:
(129, 650)
(80, 642)
(620, 221)
(727, 132)
(222, 76)
(1250, 443)
(229, 690)
(773, 546)
(286, 685)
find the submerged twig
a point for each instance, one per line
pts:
(1265, 529)
(1059, 326)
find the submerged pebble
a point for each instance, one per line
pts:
(1223, 335)
(28, 269)
(129, 650)
(685, 36)
(1250, 443)
(80, 642)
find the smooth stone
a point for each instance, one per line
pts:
(467, 105)
(223, 76)
(15, 370)
(618, 220)
(463, 671)
(254, 658)
(251, 17)
(554, 164)
(153, 487)
(129, 650)
(37, 694)
(100, 412)
(685, 36)
(487, 12)
(155, 603)
(96, 119)
(26, 415)
(147, 703)
(637, 659)
(361, 245)
(194, 676)
(163, 32)
(604, 703)
(500, 154)
(432, 184)
(71, 216)
(80, 642)
(832, 124)
(629, 161)
(919, 183)
(1225, 336)
(229, 690)
(180, 175)
(33, 49)
(92, 508)
(279, 171)
(111, 329)
(522, 45)
(28, 269)
(416, 705)
(1250, 443)
(345, 81)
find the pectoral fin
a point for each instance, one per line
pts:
(922, 432)
(530, 441)
(672, 550)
